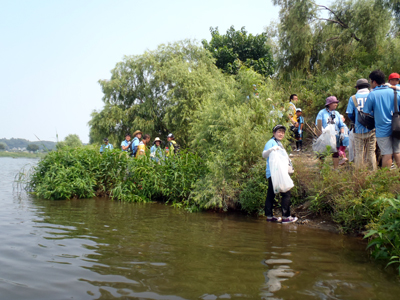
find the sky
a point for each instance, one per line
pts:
(52, 53)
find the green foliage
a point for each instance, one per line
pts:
(83, 173)
(254, 189)
(231, 128)
(384, 234)
(3, 146)
(236, 47)
(157, 92)
(32, 147)
(71, 140)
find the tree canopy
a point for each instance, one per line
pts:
(237, 47)
(156, 92)
(32, 147)
(71, 140)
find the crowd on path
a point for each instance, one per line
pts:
(375, 120)
(137, 147)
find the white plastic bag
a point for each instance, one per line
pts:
(278, 165)
(327, 138)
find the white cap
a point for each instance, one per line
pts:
(298, 109)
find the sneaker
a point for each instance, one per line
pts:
(289, 220)
(274, 219)
(342, 161)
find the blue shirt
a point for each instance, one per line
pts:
(271, 143)
(104, 146)
(157, 152)
(380, 102)
(352, 111)
(326, 117)
(135, 142)
(300, 120)
(125, 143)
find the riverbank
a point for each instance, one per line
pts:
(22, 154)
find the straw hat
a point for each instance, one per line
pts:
(136, 132)
(157, 139)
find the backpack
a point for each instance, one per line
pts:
(133, 149)
(396, 118)
(176, 147)
(364, 119)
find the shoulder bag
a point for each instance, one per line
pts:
(364, 119)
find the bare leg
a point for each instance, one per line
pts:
(335, 162)
(397, 159)
(387, 161)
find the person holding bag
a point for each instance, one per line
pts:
(328, 116)
(274, 144)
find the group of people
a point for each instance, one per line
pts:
(374, 98)
(140, 142)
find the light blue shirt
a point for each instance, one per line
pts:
(326, 117)
(271, 143)
(104, 147)
(380, 102)
(135, 142)
(300, 120)
(125, 143)
(157, 152)
(361, 97)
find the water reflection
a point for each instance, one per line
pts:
(99, 249)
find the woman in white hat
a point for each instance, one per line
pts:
(155, 150)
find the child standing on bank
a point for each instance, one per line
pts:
(345, 143)
(299, 133)
(272, 145)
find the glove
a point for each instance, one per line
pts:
(341, 136)
(300, 131)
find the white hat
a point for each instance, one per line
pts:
(298, 109)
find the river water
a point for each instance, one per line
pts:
(100, 249)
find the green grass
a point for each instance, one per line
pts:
(21, 154)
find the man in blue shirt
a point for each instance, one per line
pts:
(364, 139)
(380, 102)
(105, 146)
(137, 135)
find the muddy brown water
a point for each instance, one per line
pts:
(100, 249)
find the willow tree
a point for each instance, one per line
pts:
(156, 92)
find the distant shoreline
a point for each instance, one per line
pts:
(21, 154)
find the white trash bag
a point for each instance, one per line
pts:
(278, 165)
(327, 138)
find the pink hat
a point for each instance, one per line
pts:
(330, 100)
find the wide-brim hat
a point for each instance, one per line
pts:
(330, 100)
(136, 132)
(298, 109)
(157, 139)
